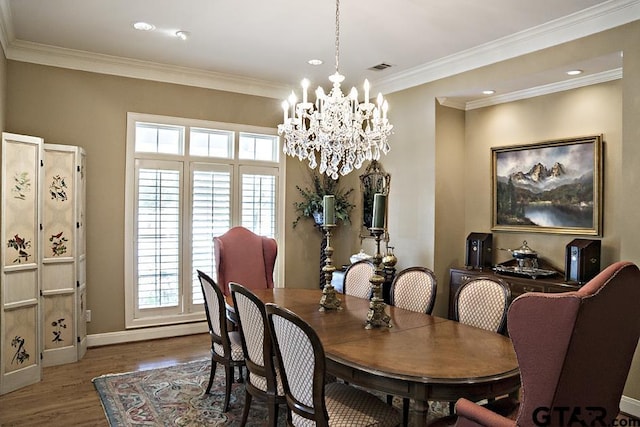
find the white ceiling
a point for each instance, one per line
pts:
(262, 47)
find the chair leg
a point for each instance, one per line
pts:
(247, 406)
(452, 407)
(405, 412)
(389, 399)
(273, 414)
(214, 364)
(240, 376)
(227, 389)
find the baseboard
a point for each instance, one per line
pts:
(630, 406)
(97, 340)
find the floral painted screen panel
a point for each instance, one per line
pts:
(21, 346)
(59, 329)
(58, 212)
(19, 198)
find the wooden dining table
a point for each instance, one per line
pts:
(422, 357)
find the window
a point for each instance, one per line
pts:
(186, 184)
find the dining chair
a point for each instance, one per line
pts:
(414, 289)
(242, 256)
(574, 351)
(263, 381)
(483, 302)
(226, 346)
(301, 358)
(356, 279)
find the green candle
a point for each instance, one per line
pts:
(329, 210)
(379, 206)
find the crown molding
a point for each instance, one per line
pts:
(605, 76)
(593, 20)
(6, 25)
(589, 21)
(127, 67)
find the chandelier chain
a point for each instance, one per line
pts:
(337, 35)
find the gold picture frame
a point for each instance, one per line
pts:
(548, 187)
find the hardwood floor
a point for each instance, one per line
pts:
(66, 396)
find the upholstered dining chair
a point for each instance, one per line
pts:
(226, 346)
(242, 256)
(483, 302)
(356, 279)
(574, 350)
(262, 381)
(414, 289)
(310, 400)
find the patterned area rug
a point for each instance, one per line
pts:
(175, 396)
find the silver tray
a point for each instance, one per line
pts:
(524, 272)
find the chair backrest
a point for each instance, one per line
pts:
(255, 337)
(483, 302)
(301, 358)
(356, 279)
(587, 337)
(244, 257)
(215, 309)
(414, 289)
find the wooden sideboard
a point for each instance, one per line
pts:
(519, 285)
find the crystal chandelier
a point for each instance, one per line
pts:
(344, 131)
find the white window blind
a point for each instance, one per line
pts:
(211, 216)
(259, 202)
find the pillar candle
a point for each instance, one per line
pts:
(329, 210)
(379, 206)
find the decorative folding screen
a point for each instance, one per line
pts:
(43, 291)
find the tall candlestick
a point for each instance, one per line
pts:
(329, 210)
(379, 206)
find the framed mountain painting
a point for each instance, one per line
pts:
(550, 187)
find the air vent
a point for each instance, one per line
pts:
(380, 67)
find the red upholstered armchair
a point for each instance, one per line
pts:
(574, 351)
(246, 258)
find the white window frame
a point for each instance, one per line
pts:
(186, 312)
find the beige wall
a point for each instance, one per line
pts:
(3, 89)
(450, 209)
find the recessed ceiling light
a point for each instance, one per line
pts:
(183, 34)
(488, 92)
(574, 72)
(315, 61)
(144, 26)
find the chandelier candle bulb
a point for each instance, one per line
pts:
(329, 210)
(379, 206)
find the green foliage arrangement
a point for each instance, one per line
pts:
(312, 199)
